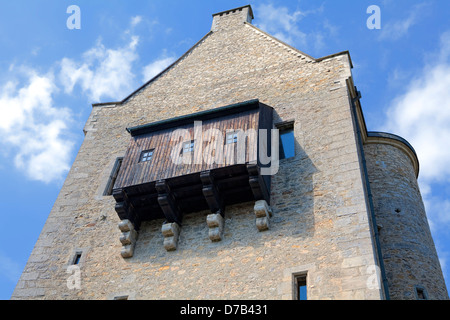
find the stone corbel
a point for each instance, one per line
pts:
(170, 231)
(128, 238)
(215, 223)
(263, 213)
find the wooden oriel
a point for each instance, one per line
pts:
(160, 179)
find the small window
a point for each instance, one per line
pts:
(300, 287)
(421, 293)
(188, 146)
(231, 137)
(76, 258)
(146, 155)
(121, 298)
(113, 177)
(287, 143)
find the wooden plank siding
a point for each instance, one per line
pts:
(161, 166)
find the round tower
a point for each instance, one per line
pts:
(411, 263)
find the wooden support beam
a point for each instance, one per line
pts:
(167, 202)
(125, 209)
(211, 193)
(257, 184)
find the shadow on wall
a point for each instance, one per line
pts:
(292, 194)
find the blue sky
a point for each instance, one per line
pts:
(50, 75)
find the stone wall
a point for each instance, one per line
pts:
(320, 223)
(409, 253)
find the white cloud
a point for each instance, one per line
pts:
(154, 68)
(135, 21)
(283, 24)
(422, 116)
(35, 131)
(394, 30)
(35, 128)
(102, 73)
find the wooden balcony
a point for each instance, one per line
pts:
(203, 161)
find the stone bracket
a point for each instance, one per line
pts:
(128, 238)
(263, 212)
(170, 231)
(215, 223)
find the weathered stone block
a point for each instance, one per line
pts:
(263, 214)
(127, 238)
(216, 224)
(125, 225)
(170, 232)
(127, 251)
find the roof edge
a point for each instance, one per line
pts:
(282, 42)
(202, 115)
(395, 141)
(155, 77)
(346, 52)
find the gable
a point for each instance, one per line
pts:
(236, 55)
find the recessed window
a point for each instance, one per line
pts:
(76, 258)
(146, 155)
(188, 146)
(287, 143)
(300, 288)
(121, 298)
(113, 177)
(421, 293)
(231, 137)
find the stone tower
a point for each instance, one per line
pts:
(242, 171)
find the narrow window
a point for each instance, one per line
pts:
(421, 293)
(188, 146)
(287, 143)
(77, 258)
(300, 287)
(287, 140)
(146, 155)
(231, 137)
(121, 298)
(113, 177)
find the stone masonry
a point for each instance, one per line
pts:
(319, 217)
(408, 249)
